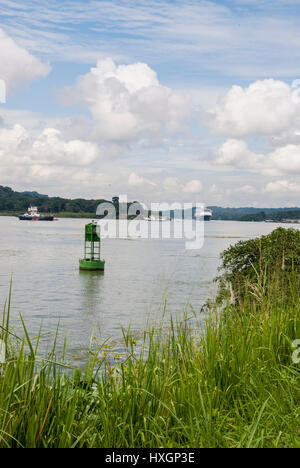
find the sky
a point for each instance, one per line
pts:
(165, 101)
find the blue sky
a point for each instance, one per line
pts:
(184, 129)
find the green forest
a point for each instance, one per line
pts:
(255, 214)
(12, 202)
(15, 203)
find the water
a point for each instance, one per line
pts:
(142, 277)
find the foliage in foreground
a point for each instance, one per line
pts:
(231, 385)
(261, 266)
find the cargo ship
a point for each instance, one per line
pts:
(32, 214)
(205, 214)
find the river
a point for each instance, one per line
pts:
(142, 277)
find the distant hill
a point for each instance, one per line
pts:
(15, 203)
(34, 194)
(12, 202)
(255, 214)
(246, 213)
(18, 202)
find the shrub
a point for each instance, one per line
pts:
(262, 265)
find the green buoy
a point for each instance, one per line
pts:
(91, 260)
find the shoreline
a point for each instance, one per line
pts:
(68, 215)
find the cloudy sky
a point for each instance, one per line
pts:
(182, 100)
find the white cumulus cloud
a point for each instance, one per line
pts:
(45, 157)
(48, 147)
(236, 154)
(193, 186)
(135, 180)
(173, 185)
(267, 107)
(127, 102)
(17, 65)
(281, 187)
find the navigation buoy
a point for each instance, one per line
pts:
(91, 260)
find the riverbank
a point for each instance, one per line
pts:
(224, 375)
(233, 386)
(56, 215)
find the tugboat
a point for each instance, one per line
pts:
(32, 214)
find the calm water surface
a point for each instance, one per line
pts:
(141, 276)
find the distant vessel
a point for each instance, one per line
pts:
(32, 214)
(205, 214)
(154, 218)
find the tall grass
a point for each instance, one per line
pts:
(230, 384)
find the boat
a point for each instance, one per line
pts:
(32, 214)
(154, 218)
(205, 214)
